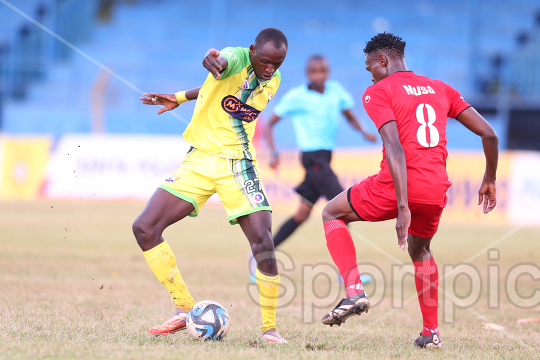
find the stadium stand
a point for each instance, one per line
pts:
(46, 87)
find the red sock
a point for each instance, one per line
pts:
(426, 278)
(341, 247)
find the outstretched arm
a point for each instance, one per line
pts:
(473, 121)
(269, 137)
(215, 63)
(169, 101)
(357, 124)
(395, 156)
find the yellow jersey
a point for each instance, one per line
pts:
(227, 109)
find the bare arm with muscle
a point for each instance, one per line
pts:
(395, 156)
(212, 61)
(473, 121)
(168, 101)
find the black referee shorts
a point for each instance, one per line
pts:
(320, 178)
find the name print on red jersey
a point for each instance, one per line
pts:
(419, 90)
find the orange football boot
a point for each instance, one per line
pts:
(175, 323)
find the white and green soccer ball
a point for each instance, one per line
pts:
(208, 320)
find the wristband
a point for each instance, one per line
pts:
(181, 97)
(275, 153)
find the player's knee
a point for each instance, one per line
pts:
(418, 252)
(138, 228)
(263, 243)
(143, 231)
(327, 214)
(266, 247)
(267, 244)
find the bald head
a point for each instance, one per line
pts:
(276, 36)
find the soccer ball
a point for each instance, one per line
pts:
(207, 320)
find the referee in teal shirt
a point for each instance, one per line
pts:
(315, 111)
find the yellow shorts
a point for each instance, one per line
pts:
(237, 183)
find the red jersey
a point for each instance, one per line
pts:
(420, 106)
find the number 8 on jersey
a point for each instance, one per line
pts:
(433, 132)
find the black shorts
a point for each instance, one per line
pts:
(320, 178)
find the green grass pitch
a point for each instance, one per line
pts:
(75, 285)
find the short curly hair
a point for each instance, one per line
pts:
(386, 43)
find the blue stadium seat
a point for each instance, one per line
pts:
(158, 46)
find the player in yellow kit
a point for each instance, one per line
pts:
(222, 159)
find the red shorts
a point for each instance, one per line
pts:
(371, 204)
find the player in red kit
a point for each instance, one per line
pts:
(410, 112)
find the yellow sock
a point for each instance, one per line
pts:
(268, 294)
(163, 263)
